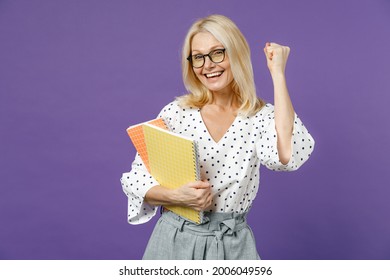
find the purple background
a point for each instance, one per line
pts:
(74, 74)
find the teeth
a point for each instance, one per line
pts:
(215, 74)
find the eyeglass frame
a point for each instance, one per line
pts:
(189, 58)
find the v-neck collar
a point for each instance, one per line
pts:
(224, 136)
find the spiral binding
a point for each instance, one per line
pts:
(197, 171)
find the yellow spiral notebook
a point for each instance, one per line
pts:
(173, 161)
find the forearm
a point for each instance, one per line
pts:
(196, 195)
(159, 195)
(284, 117)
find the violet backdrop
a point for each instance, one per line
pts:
(75, 74)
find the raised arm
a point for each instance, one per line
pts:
(277, 56)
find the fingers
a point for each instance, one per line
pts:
(271, 48)
(199, 185)
(205, 195)
(277, 56)
(268, 51)
(204, 201)
(197, 195)
(202, 195)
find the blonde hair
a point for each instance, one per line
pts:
(237, 49)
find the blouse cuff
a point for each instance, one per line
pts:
(136, 184)
(302, 145)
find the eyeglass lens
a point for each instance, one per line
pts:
(215, 56)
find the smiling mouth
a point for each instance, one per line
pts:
(213, 75)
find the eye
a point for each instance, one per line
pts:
(197, 57)
(218, 52)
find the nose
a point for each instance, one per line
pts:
(208, 63)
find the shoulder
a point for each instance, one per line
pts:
(170, 108)
(175, 109)
(261, 120)
(173, 114)
(266, 112)
(170, 111)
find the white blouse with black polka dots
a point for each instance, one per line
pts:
(230, 165)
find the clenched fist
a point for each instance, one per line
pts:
(276, 56)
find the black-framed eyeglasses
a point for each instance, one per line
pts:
(198, 60)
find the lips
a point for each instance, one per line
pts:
(213, 75)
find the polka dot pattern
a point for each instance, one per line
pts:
(230, 165)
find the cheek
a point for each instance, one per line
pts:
(230, 76)
(198, 73)
(228, 70)
(199, 76)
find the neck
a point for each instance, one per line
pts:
(225, 100)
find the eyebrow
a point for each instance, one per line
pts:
(211, 49)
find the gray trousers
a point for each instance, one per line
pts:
(222, 236)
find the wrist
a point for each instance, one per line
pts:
(174, 196)
(278, 76)
(159, 195)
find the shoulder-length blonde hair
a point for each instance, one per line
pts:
(237, 49)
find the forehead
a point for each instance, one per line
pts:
(204, 41)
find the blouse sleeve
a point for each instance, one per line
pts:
(135, 185)
(138, 181)
(302, 144)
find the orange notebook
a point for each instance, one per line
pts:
(136, 134)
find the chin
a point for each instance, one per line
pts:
(225, 87)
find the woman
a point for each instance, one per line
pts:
(235, 132)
